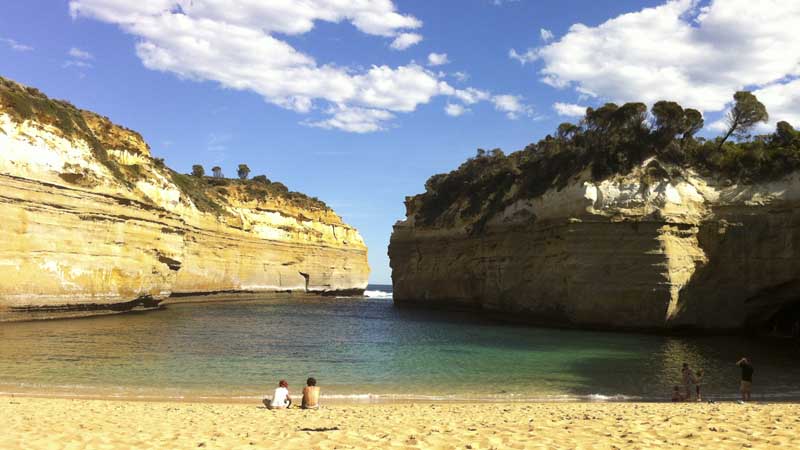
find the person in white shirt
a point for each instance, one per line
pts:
(280, 399)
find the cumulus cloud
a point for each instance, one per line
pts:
(455, 110)
(682, 51)
(512, 106)
(16, 46)
(437, 59)
(569, 109)
(406, 40)
(545, 34)
(236, 43)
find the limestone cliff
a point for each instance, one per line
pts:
(93, 223)
(659, 248)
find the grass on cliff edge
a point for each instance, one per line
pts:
(26, 103)
(610, 140)
(209, 194)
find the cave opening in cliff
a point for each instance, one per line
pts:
(785, 322)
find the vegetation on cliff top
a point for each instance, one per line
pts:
(609, 140)
(27, 103)
(208, 194)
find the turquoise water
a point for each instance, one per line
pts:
(367, 349)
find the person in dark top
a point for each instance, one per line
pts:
(746, 385)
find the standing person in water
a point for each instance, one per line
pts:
(310, 394)
(698, 383)
(280, 399)
(746, 385)
(687, 378)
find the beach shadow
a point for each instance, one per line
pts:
(320, 429)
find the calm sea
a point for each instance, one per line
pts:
(365, 349)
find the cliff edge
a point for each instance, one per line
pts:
(93, 223)
(610, 227)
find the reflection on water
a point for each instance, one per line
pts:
(359, 346)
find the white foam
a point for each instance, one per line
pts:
(377, 294)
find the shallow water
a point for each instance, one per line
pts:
(367, 349)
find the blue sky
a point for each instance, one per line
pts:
(251, 85)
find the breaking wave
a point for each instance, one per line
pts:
(377, 294)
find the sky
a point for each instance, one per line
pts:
(359, 102)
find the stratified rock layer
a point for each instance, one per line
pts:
(92, 223)
(629, 252)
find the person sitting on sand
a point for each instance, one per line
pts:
(698, 383)
(280, 399)
(687, 377)
(746, 385)
(310, 395)
(676, 394)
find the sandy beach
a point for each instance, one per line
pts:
(37, 423)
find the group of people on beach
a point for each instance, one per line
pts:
(282, 400)
(690, 377)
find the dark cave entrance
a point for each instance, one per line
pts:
(785, 322)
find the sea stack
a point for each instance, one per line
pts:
(93, 223)
(575, 231)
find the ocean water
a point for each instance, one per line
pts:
(365, 349)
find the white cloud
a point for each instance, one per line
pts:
(511, 105)
(79, 54)
(471, 95)
(782, 101)
(354, 119)
(234, 42)
(569, 109)
(695, 55)
(16, 46)
(455, 110)
(437, 59)
(281, 16)
(406, 40)
(545, 34)
(77, 63)
(530, 55)
(461, 76)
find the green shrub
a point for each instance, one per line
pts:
(609, 140)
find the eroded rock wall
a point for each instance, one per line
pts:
(623, 253)
(92, 231)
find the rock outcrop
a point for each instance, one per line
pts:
(92, 223)
(665, 252)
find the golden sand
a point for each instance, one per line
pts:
(34, 423)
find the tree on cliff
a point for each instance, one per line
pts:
(217, 170)
(610, 140)
(198, 171)
(747, 111)
(243, 171)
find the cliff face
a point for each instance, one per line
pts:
(93, 223)
(639, 251)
